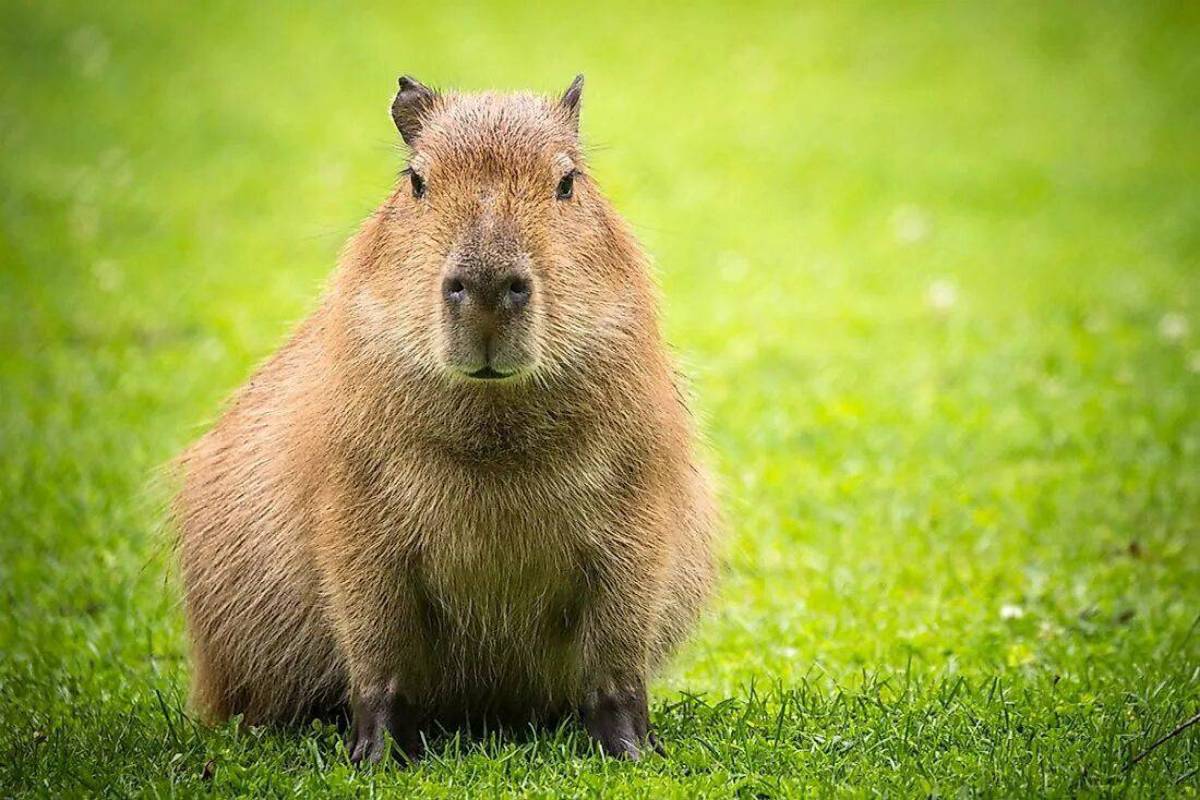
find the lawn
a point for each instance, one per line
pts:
(934, 270)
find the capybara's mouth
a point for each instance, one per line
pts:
(488, 374)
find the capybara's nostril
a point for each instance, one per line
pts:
(453, 289)
(517, 293)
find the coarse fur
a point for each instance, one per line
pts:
(369, 524)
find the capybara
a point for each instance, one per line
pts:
(467, 485)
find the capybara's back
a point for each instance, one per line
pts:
(467, 484)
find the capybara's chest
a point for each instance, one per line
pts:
(505, 572)
(504, 562)
(505, 552)
(502, 617)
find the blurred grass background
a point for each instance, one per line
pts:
(934, 269)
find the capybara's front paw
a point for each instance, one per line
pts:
(366, 743)
(619, 719)
(381, 720)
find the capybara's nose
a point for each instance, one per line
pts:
(499, 290)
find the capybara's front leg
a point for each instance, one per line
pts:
(381, 645)
(617, 624)
(375, 612)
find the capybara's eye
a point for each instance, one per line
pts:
(566, 187)
(418, 184)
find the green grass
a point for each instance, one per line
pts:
(935, 269)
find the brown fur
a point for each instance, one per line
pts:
(364, 518)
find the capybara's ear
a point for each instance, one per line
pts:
(571, 99)
(410, 106)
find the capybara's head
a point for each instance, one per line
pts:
(498, 260)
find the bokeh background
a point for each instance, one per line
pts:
(934, 269)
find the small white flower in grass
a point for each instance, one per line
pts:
(332, 174)
(91, 50)
(1173, 326)
(941, 295)
(1095, 323)
(107, 274)
(910, 224)
(1010, 611)
(84, 221)
(115, 168)
(733, 267)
